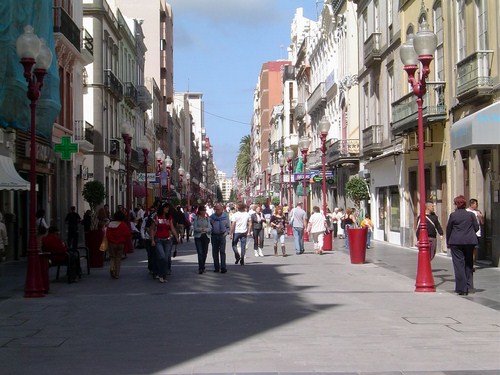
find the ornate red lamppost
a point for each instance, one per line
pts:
(421, 48)
(181, 177)
(145, 153)
(324, 127)
(304, 143)
(289, 157)
(281, 162)
(168, 166)
(31, 51)
(127, 139)
(160, 157)
(188, 191)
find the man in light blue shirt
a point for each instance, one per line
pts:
(298, 221)
(220, 228)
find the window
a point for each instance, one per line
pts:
(482, 24)
(377, 16)
(390, 90)
(395, 218)
(438, 29)
(461, 30)
(365, 26)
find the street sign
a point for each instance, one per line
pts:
(141, 177)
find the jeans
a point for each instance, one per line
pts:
(258, 238)
(278, 237)
(164, 256)
(368, 238)
(346, 241)
(72, 238)
(201, 244)
(219, 249)
(298, 236)
(151, 256)
(243, 244)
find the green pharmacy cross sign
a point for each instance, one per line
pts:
(66, 148)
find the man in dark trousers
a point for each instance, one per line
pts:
(433, 228)
(72, 221)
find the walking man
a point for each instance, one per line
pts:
(240, 229)
(220, 228)
(433, 228)
(298, 221)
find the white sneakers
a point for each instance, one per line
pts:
(258, 253)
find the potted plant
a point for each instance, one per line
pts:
(94, 193)
(356, 189)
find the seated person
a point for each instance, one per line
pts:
(59, 253)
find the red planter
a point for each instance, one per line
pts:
(93, 241)
(328, 242)
(357, 244)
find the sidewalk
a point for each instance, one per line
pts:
(306, 313)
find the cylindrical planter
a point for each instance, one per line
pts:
(328, 241)
(93, 241)
(357, 244)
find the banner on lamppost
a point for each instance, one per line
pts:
(141, 177)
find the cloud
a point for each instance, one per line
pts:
(243, 13)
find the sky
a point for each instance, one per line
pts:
(219, 49)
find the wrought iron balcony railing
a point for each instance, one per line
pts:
(113, 84)
(474, 76)
(64, 24)
(372, 140)
(371, 49)
(130, 94)
(343, 150)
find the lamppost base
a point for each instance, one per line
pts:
(425, 280)
(34, 283)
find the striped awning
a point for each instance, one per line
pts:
(9, 178)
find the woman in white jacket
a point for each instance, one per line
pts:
(316, 228)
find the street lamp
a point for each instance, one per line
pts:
(160, 157)
(145, 152)
(188, 191)
(31, 51)
(304, 143)
(168, 166)
(421, 48)
(181, 175)
(127, 139)
(281, 162)
(324, 127)
(289, 157)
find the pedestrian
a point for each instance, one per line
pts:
(316, 227)
(59, 253)
(118, 234)
(461, 239)
(202, 230)
(221, 226)
(41, 224)
(341, 223)
(278, 221)
(150, 250)
(480, 219)
(4, 239)
(433, 228)
(187, 223)
(87, 221)
(72, 221)
(349, 222)
(368, 223)
(298, 221)
(257, 221)
(162, 234)
(267, 212)
(335, 221)
(104, 216)
(240, 229)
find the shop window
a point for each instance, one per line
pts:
(395, 218)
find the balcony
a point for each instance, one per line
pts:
(343, 151)
(144, 99)
(65, 25)
(371, 49)
(317, 99)
(314, 159)
(372, 140)
(83, 135)
(130, 94)
(404, 110)
(113, 84)
(474, 82)
(300, 111)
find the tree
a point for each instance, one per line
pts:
(94, 193)
(243, 160)
(356, 189)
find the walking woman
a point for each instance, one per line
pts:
(160, 232)
(118, 234)
(257, 221)
(461, 239)
(316, 227)
(202, 230)
(277, 222)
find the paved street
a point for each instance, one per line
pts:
(299, 314)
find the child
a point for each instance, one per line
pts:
(368, 223)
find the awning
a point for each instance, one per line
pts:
(9, 178)
(479, 130)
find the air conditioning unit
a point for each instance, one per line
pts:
(114, 148)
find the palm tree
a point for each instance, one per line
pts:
(243, 160)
